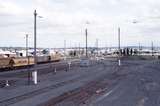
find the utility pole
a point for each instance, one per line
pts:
(97, 46)
(86, 43)
(65, 45)
(27, 58)
(70, 45)
(34, 73)
(65, 49)
(152, 47)
(139, 47)
(106, 46)
(26, 45)
(75, 46)
(79, 49)
(119, 40)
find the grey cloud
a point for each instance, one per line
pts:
(65, 19)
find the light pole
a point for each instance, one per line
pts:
(34, 73)
(86, 42)
(152, 48)
(119, 45)
(65, 49)
(139, 47)
(26, 45)
(27, 58)
(79, 50)
(97, 46)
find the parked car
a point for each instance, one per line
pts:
(84, 62)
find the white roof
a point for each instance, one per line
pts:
(6, 52)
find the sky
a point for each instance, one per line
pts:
(61, 20)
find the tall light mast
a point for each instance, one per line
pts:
(34, 73)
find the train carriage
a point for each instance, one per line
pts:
(5, 63)
(43, 59)
(56, 57)
(22, 61)
(19, 62)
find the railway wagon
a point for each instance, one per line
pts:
(55, 58)
(43, 59)
(22, 61)
(5, 63)
(17, 62)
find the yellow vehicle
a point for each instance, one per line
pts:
(22, 61)
(5, 62)
(16, 62)
(55, 58)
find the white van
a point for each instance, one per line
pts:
(84, 62)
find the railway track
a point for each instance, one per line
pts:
(31, 66)
(40, 91)
(81, 95)
(44, 69)
(35, 93)
(12, 77)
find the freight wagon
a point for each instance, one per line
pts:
(12, 63)
(43, 59)
(22, 61)
(5, 63)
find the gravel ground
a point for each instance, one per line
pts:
(80, 75)
(140, 87)
(134, 83)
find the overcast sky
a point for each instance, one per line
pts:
(66, 20)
